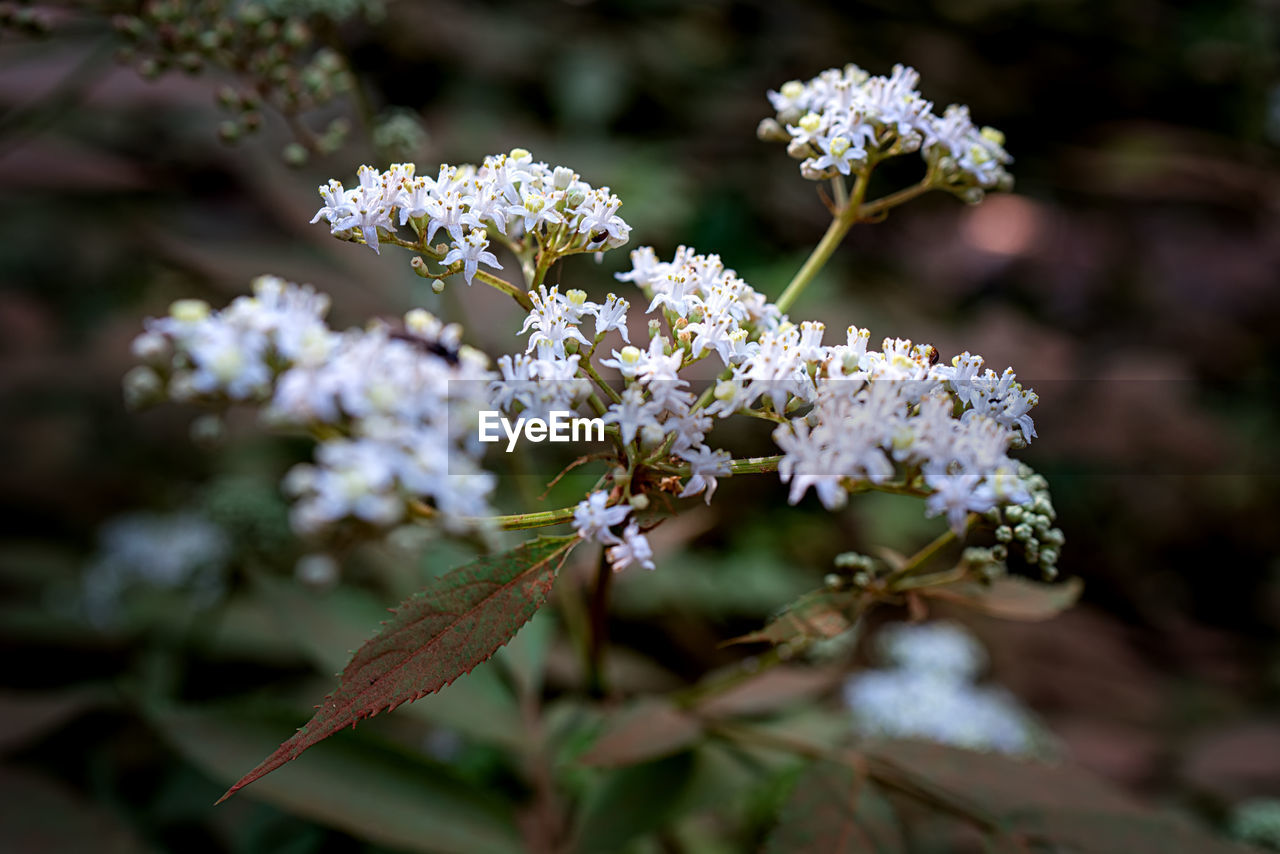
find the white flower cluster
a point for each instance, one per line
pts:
(930, 694)
(866, 414)
(878, 413)
(394, 411)
(510, 194)
(593, 519)
(841, 118)
(846, 415)
(173, 551)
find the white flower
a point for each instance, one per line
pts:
(704, 466)
(472, 253)
(633, 548)
(941, 648)
(628, 361)
(928, 693)
(957, 495)
(600, 221)
(593, 518)
(838, 153)
(553, 318)
(833, 119)
(633, 413)
(610, 315)
(677, 292)
(398, 425)
(534, 210)
(335, 206)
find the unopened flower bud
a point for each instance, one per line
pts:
(651, 436)
(639, 501)
(316, 570)
(142, 386)
(189, 310)
(792, 90)
(770, 131)
(208, 431)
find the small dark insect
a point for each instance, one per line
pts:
(434, 347)
(934, 355)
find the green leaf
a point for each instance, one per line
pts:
(833, 809)
(1011, 597)
(435, 636)
(819, 615)
(647, 730)
(360, 784)
(633, 801)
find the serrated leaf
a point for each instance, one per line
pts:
(435, 636)
(328, 626)
(361, 785)
(820, 615)
(650, 729)
(1011, 597)
(833, 810)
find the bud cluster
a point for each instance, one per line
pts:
(270, 47)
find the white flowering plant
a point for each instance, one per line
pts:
(393, 409)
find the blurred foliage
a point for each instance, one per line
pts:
(1131, 280)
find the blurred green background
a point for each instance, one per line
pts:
(1131, 279)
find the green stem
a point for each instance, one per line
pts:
(514, 522)
(747, 465)
(840, 226)
(585, 365)
(507, 288)
(920, 558)
(545, 259)
(880, 205)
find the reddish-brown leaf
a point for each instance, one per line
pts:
(775, 688)
(435, 636)
(818, 615)
(648, 730)
(1011, 597)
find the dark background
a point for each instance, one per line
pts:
(1131, 278)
